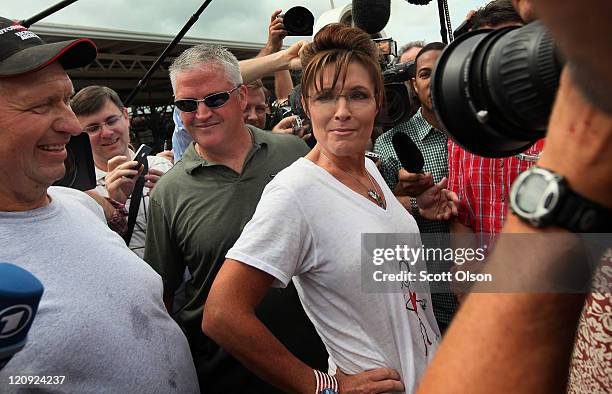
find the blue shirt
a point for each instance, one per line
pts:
(180, 138)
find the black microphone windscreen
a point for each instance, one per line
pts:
(408, 153)
(371, 16)
(419, 2)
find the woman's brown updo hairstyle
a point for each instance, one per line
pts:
(339, 45)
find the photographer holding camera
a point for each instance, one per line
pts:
(107, 123)
(523, 341)
(283, 85)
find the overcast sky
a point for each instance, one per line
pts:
(234, 20)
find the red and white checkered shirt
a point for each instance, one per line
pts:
(483, 185)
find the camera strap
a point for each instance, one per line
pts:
(135, 204)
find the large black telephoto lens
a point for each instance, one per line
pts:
(298, 21)
(493, 90)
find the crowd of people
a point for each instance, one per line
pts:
(244, 272)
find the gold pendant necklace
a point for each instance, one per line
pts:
(371, 191)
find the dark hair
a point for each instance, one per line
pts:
(258, 84)
(432, 46)
(91, 99)
(340, 45)
(494, 14)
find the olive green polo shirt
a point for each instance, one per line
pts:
(198, 210)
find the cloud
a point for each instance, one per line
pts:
(232, 20)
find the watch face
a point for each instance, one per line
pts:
(531, 192)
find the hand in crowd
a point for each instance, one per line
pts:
(121, 178)
(276, 33)
(437, 202)
(152, 177)
(167, 154)
(412, 184)
(287, 126)
(379, 380)
(292, 55)
(103, 202)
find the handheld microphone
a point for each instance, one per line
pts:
(408, 153)
(20, 293)
(371, 16)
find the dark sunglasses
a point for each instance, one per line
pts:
(215, 100)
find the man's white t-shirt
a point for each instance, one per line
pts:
(137, 243)
(309, 225)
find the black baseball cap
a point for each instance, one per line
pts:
(22, 51)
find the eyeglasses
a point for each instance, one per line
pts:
(215, 100)
(96, 128)
(355, 98)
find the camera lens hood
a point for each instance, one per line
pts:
(298, 21)
(493, 90)
(523, 77)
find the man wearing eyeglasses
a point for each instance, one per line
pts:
(199, 208)
(106, 121)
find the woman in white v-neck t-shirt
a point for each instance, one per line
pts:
(308, 226)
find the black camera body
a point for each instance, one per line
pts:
(280, 110)
(398, 107)
(399, 72)
(80, 172)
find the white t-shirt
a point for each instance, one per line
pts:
(309, 225)
(137, 243)
(101, 322)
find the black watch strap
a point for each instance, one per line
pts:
(581, 215)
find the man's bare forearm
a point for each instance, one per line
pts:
(520, 342)
(246, 338)
(259, 67)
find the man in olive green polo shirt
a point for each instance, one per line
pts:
(200, 207)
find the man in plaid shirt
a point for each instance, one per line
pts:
(483, 187)
(426, 132)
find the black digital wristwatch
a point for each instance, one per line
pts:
(543, 198)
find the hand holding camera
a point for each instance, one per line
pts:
(276, 32)
(292, 125)
(121, 177)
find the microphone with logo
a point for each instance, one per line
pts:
(408, 153)
(20, 293)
